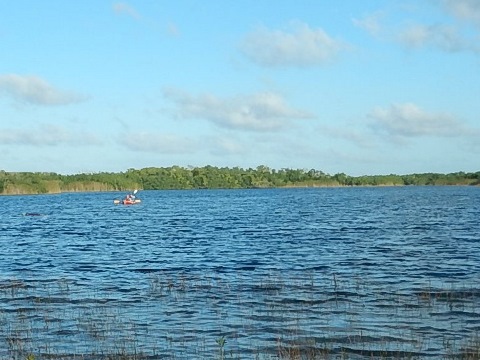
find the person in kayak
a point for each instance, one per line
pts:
(131, 197)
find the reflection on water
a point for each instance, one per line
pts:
(353, 272)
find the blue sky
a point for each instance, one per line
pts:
(360, 87)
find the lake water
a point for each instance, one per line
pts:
(242, 274)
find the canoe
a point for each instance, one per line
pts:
(127, 202)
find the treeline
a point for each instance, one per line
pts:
(211, 177)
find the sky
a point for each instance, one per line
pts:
(365, 87)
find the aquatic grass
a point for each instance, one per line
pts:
(306, 316)
(14, 286)
(470, 350)
(302, 350)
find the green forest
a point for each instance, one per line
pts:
(211, 177)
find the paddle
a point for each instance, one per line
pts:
(120, 201)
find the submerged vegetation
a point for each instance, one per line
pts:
(211, 177)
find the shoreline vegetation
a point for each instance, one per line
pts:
(211, 177)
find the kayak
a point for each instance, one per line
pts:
(127, 202)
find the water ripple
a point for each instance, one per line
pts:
(366, 272)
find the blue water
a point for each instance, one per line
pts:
(358, 272)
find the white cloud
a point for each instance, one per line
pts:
(47, 135)
(34, 90)
(464, 9)
(226, 146)
(370, 23)
(408, 120)
(173, 30)
(449, 35)
(158, 143)
(443, 37)
(302, 46)
(348, 134)
(258, 112)
(124, 8)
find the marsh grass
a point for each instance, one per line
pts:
(185, 316)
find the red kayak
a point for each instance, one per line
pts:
(127, 202)
(129, 199)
